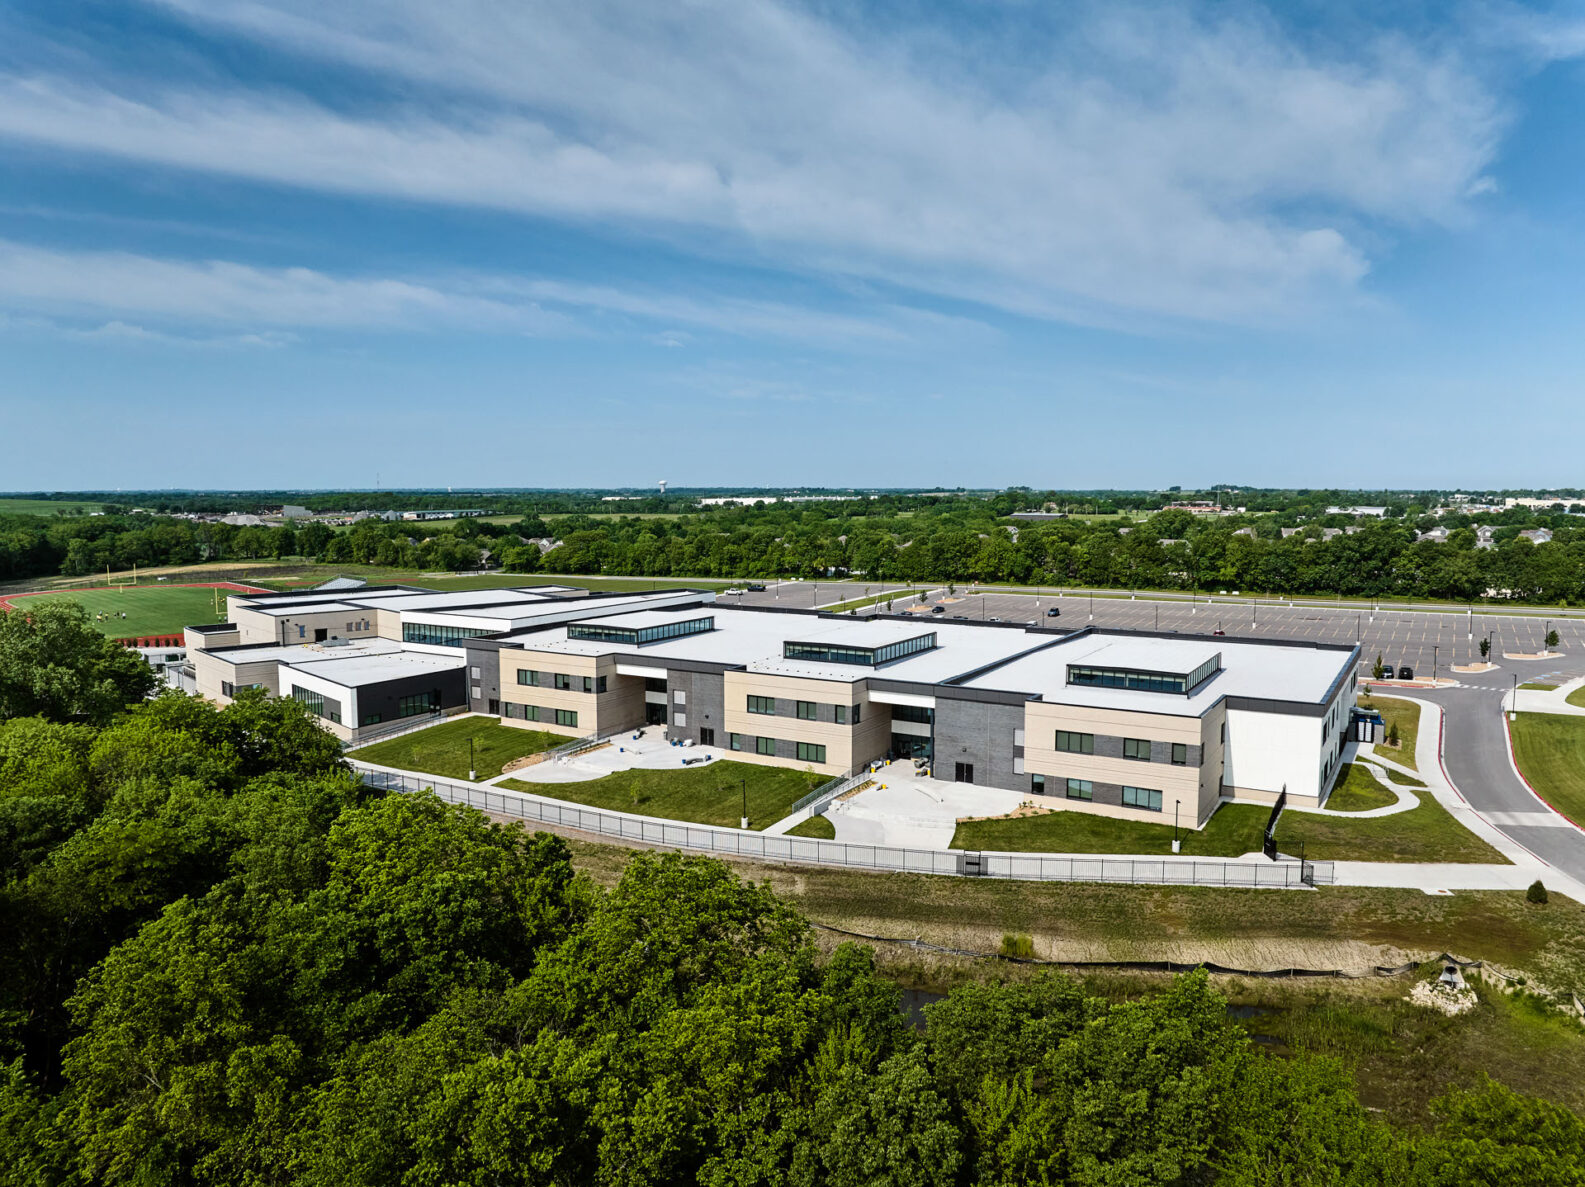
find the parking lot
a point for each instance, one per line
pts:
(1413, 638)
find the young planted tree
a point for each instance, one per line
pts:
(1378, 670)
(1551, 640)
(1485, 648)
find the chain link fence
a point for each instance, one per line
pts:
(730, 842)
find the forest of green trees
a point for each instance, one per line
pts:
(228, 962)
(887, 539)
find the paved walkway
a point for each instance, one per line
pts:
(648, 751)
(1536, 700)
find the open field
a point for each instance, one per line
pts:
(1550, 751)
(1426, 833)
(443, 749)
(46, 507)
(709, 794)
(1406, 717)
(150, 609)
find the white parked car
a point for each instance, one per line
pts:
(735, 592)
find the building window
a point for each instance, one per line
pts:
(371, 719)
(1138, 748)
(734, 741)
(1142, 797)
(419, 702)
(302, 632)
(474, 671)
(765, 746)
(913, 713)
(599, 684)
(588, 684)
(806, 710)
(527, 676)
(227, 689)
(810, 752)
(839, 714)
(1037, 784)
(530, 712)
(858, 713)
(563, 682)
(566, 717)
(762, 704)
(1080, 789)
(706, 736)
(1180, 754)
(654, 684)
(439, 635)
(1075, 743)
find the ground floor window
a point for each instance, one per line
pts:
(227, 689)
(1080, 789)
(371, 719)
(1142, 797)
(765, 746)
(567, 717)
(734, 741)
(1037, 784)
(418, 702)
(911, 746)
(810, 752)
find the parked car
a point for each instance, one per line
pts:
(1405, 673)
(995, 619)
(755, 587)
(1053, 613)
(1218, 631)
(938, 609)
(960, 616)
(735, 592)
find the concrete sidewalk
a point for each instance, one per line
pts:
(1535, 700)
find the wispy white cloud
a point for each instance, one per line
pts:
(1145, 162)
(91, 285)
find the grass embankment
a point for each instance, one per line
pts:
(1406, 716)
(817, 827)
(149, 609)
(709, 794)
(1426, 833)
(1550, 751)
(443, 749)
(1359, 791)
(1403, 1055)
(1577, 697)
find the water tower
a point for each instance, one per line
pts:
(663, 488)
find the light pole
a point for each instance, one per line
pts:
(1092, 605)
(472, 771)
(1544, 635)
(1158, 616)
(1513, 699)
(744, 823)
(1175, 842)
(1434, 649)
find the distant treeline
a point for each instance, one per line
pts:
(889, 539)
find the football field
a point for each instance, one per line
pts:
(149, 609)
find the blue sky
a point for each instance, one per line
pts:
(262, 243)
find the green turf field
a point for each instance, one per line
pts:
(45, 507)
(150, 609)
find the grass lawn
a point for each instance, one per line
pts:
(1407, 718)
(150, 609)
(1403, 780)
(443, 749)
(817, 827)
(710, 794)
(1359, 791)
(1550, 750)
(1536, 686)
(1426, 833)
(46, 507)
(1577, 697)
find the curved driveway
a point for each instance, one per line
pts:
(1475, 756)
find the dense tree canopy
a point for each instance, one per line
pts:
(229, 963)
(54, 664)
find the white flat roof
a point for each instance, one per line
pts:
(355, 671)
(1264, 671)
(299, 653)
(755, 639)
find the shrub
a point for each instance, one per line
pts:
(1392, 734)
(1536, 894)
(1018, 947)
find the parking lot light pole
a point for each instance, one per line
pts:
(1434, 649)
(744, 823)
(1513, 700)
(1175, 842)
(472, 771)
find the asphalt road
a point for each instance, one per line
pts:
(1475, 741)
